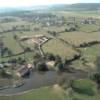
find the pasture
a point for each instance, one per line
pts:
(57, 47)
(77, 38)
(46, 93)
(50, 93)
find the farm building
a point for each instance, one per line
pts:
(38, 39)
(22, 71)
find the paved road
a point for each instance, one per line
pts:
(37, 80)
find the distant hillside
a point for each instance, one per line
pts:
(65, 7)
(8, 9)
(78, 7)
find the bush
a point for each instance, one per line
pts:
(50, 56)
(84, 86)
(41, 66)
(96, 78)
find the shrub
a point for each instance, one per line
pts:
(96, 78)
(41, 66)
(84, 86)
(50, 56)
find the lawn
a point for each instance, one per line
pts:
(56, 47)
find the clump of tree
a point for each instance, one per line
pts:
(96, 78)
(50, 57)
(15, 37)
(27, 49)
(71, 29)
(59, 65)
(41, 66)
(18, 60)
(36, 56)
(53, 33)
(4, 74)
(84, 86)
(5, 51)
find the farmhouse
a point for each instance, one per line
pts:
(22, 71)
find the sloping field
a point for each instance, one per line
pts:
(58, 48)
(12, 44)
(77, 38)
(91, 52)
(89, 27)
(15, 47)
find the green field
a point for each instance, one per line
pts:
(11, 43)
(49, 93)
(57, 47)
(14, 46)
(89, 54)
(85, 97)
(77, 38)
(89, 28)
